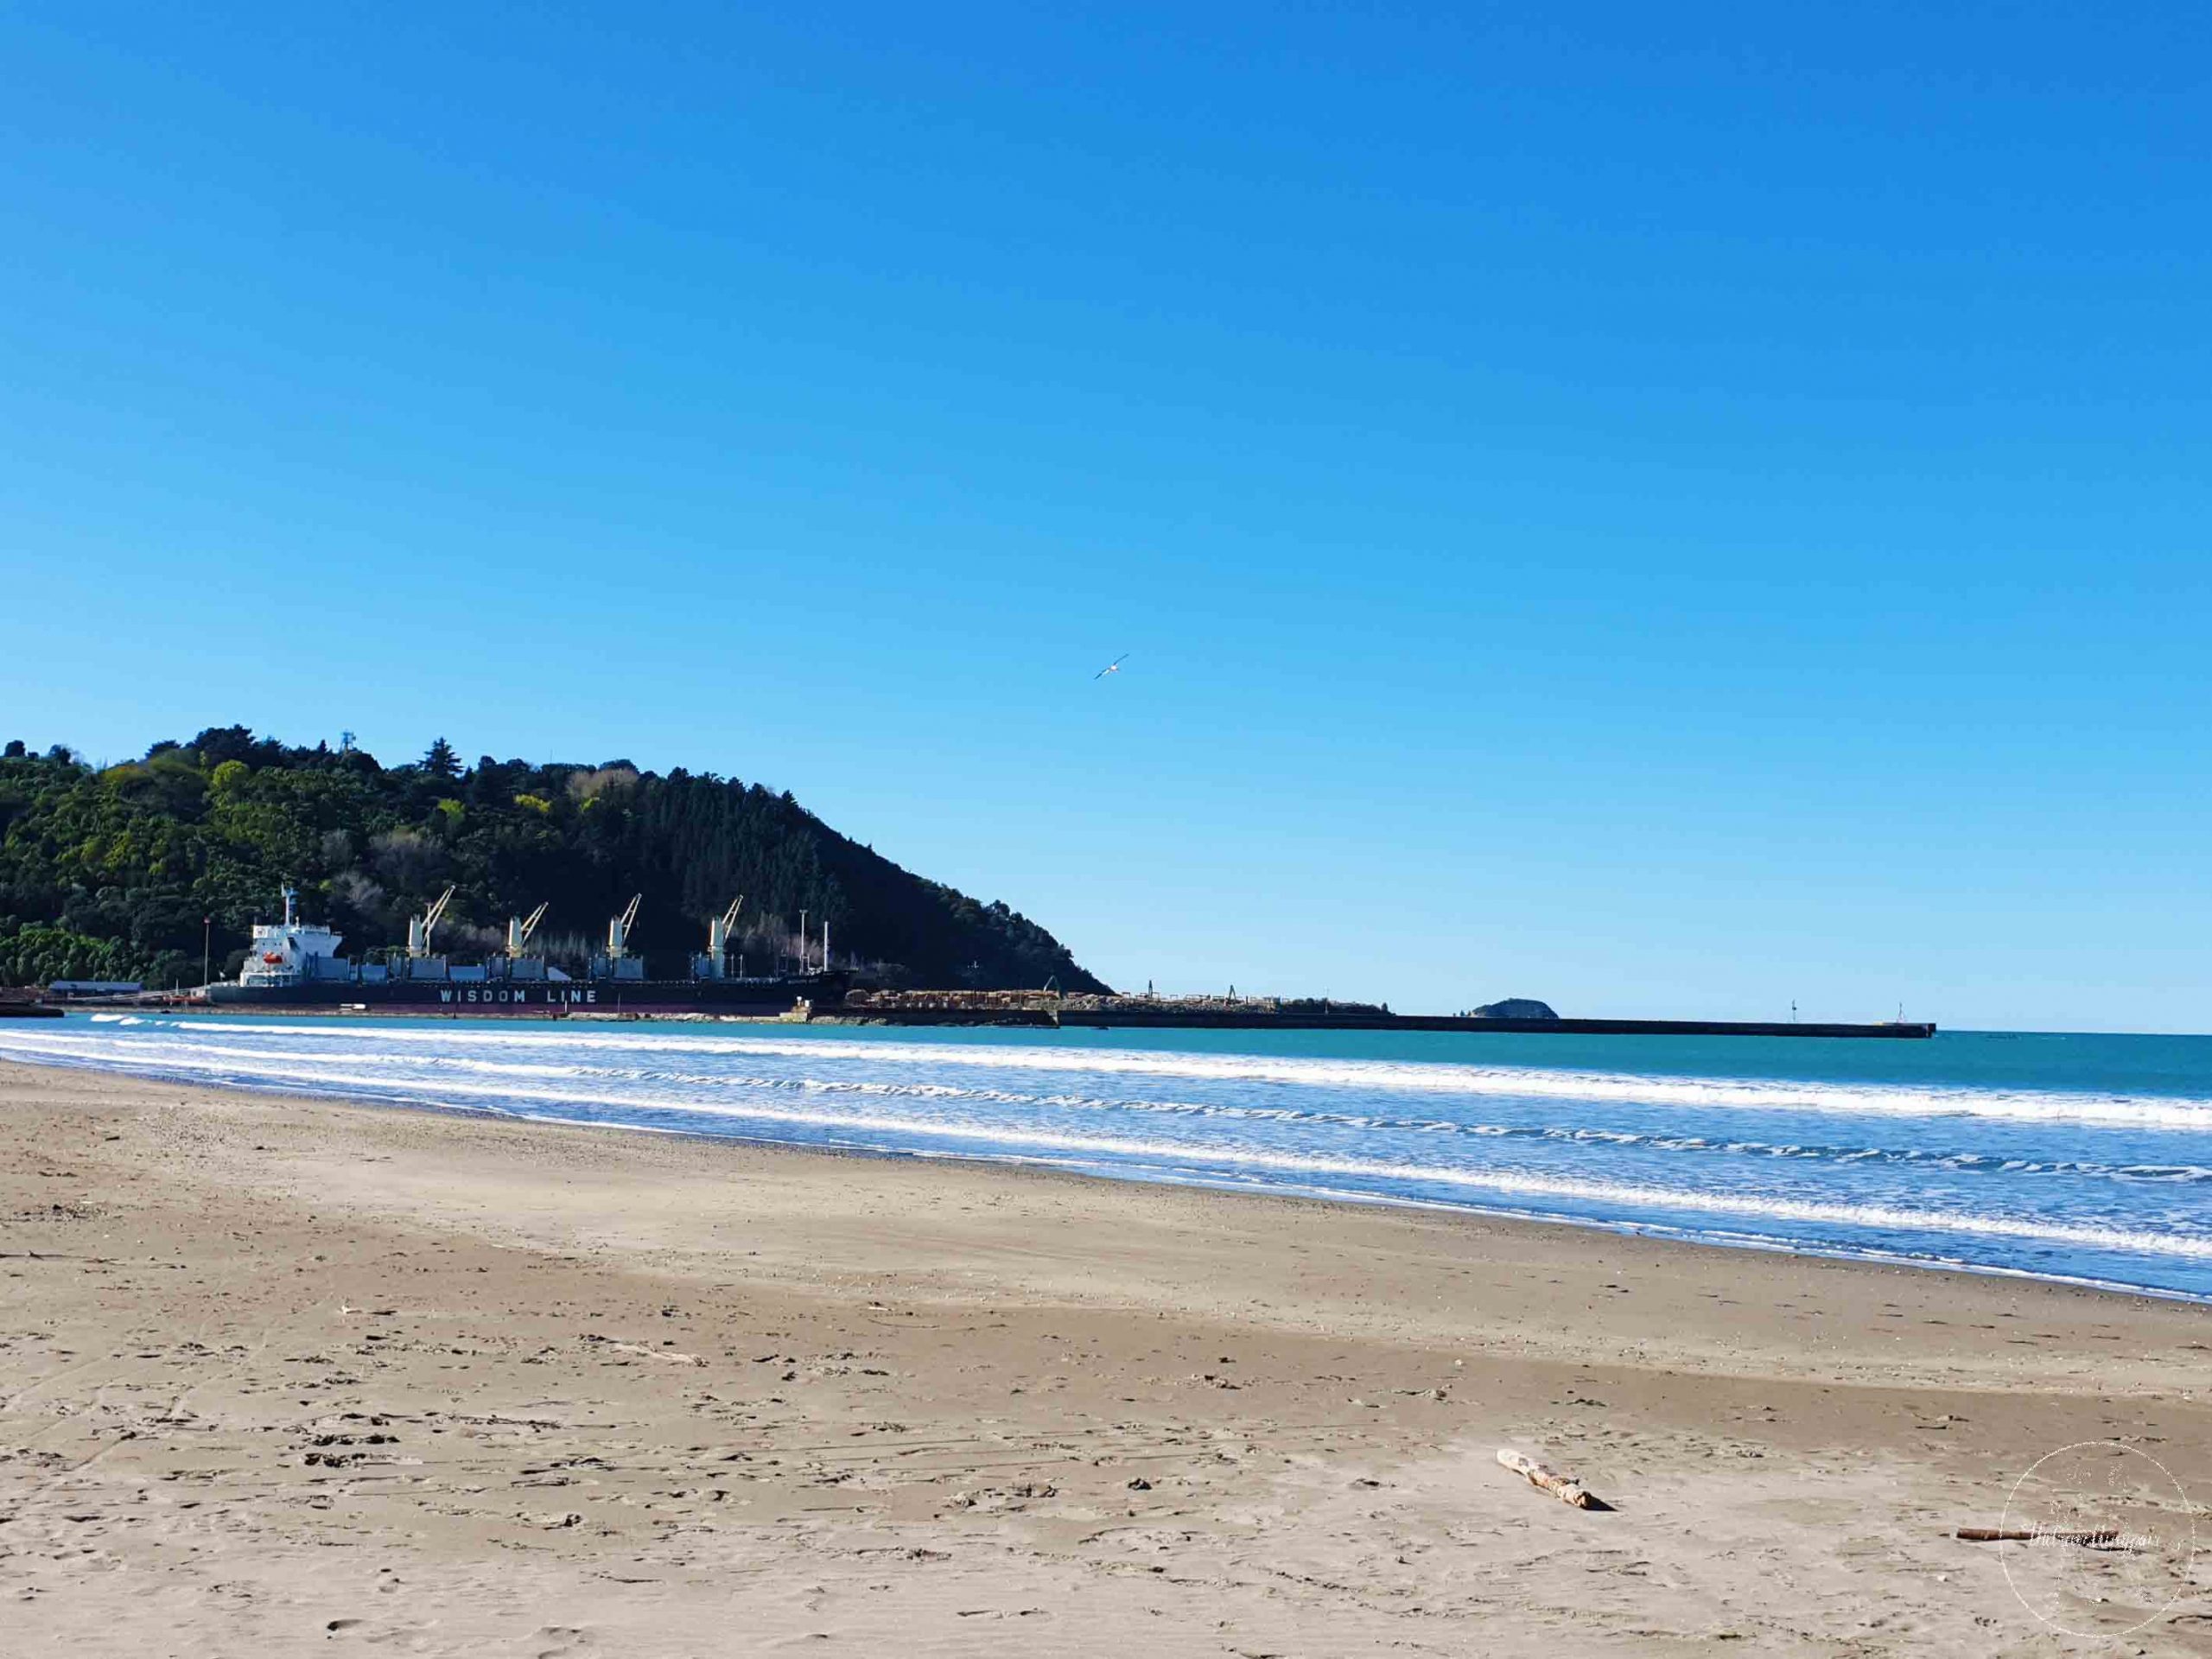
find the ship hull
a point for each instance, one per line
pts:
(752, 998)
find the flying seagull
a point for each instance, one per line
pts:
(1114, 667)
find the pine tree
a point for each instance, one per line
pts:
(442, 761)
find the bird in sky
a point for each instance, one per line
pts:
(1114, 667)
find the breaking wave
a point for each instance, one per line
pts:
(2079, 1183)
(1438, 1077)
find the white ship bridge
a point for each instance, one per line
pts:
(290, 951)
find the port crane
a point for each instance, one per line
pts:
(521, 932)
(419, 928)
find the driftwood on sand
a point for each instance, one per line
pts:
(2030, 1535)
(1565, 1488)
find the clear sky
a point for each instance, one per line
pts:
(1670, 510)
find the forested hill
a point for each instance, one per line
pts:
(108, 873)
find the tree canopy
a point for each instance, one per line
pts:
(110, 874)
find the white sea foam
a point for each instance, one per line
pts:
(1213, 1158)
(220, 1052)
(1435, 1077)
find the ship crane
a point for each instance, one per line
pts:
(718, 932)
(616, 961)
(419, 928)
(714, 963)
(617, 930)
(521, 932)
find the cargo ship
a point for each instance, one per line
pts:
(295, 966)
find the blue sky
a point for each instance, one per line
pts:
(1672, 511)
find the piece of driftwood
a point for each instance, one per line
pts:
(1565, 1488)
(2029, 1534)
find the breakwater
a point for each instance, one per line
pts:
(1220, 1014)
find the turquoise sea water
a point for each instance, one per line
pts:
(2085, 1158)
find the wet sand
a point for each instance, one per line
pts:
(280, 1375)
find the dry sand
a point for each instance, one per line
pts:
(280, 1376)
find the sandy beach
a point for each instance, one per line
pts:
(279, 1375)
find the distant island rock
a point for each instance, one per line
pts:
(1514, 1008)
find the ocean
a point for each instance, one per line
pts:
(2086, 1158)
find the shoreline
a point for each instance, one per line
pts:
(282, 1370)
(1655, 1232)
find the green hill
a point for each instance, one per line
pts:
(108, 873)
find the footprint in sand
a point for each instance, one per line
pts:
(406, 1638)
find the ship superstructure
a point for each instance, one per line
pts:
(292, 952)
